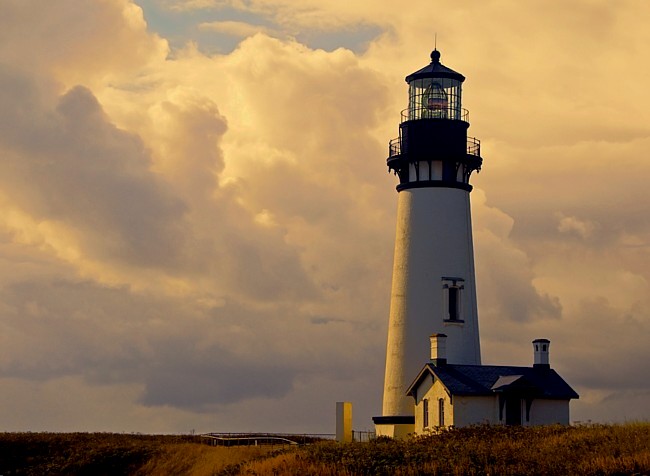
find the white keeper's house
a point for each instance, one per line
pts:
(443, 382)
(460, 395)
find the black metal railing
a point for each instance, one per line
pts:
(436, 112)
(473, 147)
(394, 147)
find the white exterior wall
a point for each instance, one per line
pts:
(459, 411)
(422, 392)
(462, 411)
(476, 411)
(432, 391)
(433, 240)
(467, 411)
(548, 412)
(398, 431)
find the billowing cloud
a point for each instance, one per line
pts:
(87, 177)
(507, 291)
(77, 42)
(235, 28)
(569, 224)
(187, 237)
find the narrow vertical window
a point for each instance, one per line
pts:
(452, 289)
(453, 303)
(425, 413)
(441, 412)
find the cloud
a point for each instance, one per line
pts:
(209, 379)
(86, 176)
(235, 28)
(196, 240)
(290, 17)
(506, 288)
(183, 5)
(567, 224)
(76, 41)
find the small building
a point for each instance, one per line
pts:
(461, 395)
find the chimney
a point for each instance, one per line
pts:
(540, 352)
(438, 349)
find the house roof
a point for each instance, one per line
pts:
(478, 380)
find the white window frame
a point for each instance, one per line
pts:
(459, 285)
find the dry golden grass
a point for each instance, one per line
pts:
(549, 451)
(545, 451)
(192, 459)
(98, 454)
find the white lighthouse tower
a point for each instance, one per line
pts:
(433, 290)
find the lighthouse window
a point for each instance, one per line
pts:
(452, 299)
(453, 303)
(441, 412)
(438, 98)
(425, 412)
(435, 101)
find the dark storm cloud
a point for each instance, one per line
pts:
(54, 327)
(187, 378)
(110, 335)
(184, 357)
(71, 165)
(615, 358)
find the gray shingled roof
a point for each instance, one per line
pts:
(482, 380)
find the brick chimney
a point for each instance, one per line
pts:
(438, 349)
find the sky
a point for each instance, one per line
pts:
(197, 222)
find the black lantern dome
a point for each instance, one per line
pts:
(435, 69)
(433, 149)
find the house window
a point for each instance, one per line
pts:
(441, 412)
(425, 413)
(452, 289)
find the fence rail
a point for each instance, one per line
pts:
(259, 439)
(363, 436)
(277, 439)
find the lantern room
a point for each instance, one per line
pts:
(433, 149)
(435, 92)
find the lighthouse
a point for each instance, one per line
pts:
(433, 288)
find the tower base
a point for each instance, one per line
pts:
(399, 426)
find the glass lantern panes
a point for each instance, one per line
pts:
(434, 98)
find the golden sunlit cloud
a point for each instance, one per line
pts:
(225, 222)
(235, 28)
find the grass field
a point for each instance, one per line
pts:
(548, 451)
(99, 454)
